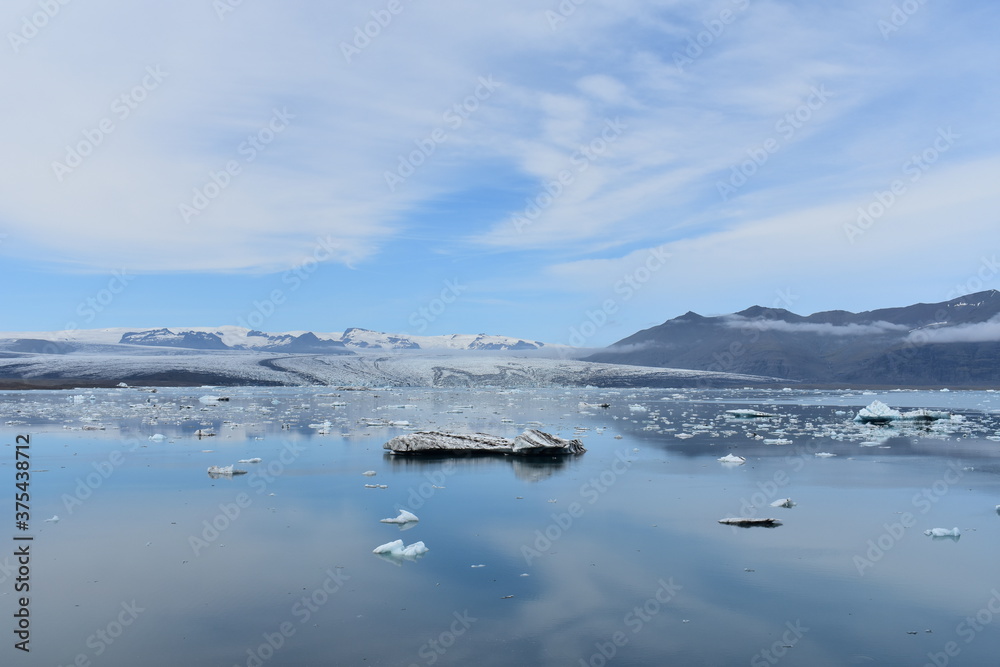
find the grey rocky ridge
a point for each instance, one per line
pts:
(954, 343)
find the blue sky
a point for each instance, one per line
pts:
(564, 172)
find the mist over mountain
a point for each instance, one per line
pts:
(954, 342)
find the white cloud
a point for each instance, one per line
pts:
(822, 328)
(982, 332)
(324, 176)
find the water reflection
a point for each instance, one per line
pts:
(525, 468)
(545, 566)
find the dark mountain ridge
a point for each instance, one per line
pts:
(954, 342)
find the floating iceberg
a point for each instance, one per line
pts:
(877, 412)
(880, 413)
(824, 455)
(531, 442)
(404, 517)
(256, 459)
(397, 550)
(925, 415)
(224, 471)
(747, 522)
(749, 414)
(944, 532)
(732, 458)
(783, 502)
(157, 437)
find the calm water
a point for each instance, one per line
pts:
(614, 557)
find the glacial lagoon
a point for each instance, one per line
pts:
(613, 557)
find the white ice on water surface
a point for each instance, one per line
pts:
(404, 517)
(732, 458)
(943, 532)
(396, 548)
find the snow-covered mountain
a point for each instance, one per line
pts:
(241, 338)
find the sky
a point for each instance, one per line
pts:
(569, 172)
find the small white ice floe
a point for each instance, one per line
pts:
(404, 517)
(369, 473)
(749, 414)
(227, 471)
(255, 459)
(783, 502)
(732, 458)
(943, 532)
(157, 437)
(824, 455)
(397, 550)
(54, 519)
(777, 441)
(204, 433)
(480, 565)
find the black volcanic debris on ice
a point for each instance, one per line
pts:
(927, 344)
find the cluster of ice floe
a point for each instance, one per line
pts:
(396, 551)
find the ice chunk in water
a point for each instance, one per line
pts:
(396, 549)
(404, 517)
(943, 532)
